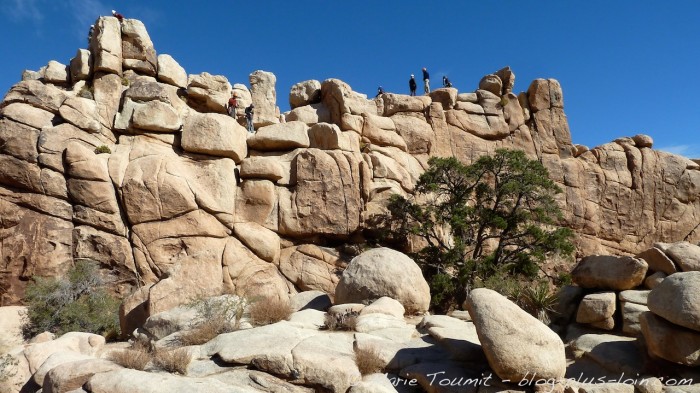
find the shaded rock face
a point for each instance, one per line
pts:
(181, 175)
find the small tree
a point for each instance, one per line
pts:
(495, 216)
(77, 302)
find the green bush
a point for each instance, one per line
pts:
(102, 149)
(77, 302)
(480, 224)
(8, 369)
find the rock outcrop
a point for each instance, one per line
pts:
(122, 158)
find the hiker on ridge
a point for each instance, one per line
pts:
(249, 111)
(446, 82)
(412, 85)
(117, 15)
(426, 81)
(380, 91)
(233, 105)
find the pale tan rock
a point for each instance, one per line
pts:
(416, 132)
(328, 173)
(106, 45)
(491, 83)
(339, 98)
(617, 354)
(305, 93)
(138, 53)
(19, 140)
(395, 103)
(36, 94)
(515, 343)
(654, 280)
(328, 361)
(80, 112)
(262, 241)
(250, 277)
(75, 342)
(385, 305)
(631, 312)
(507, 77)
(280, 137)
(309, 114)
(156, 116)
(538, 95)
(447, 96)
(28, 115)
(467, 97)
(609, 272)
(216, 135)
(329, 137)
(11, 322)
(310, 300)
(642, 140)
(256, 201)
(209, 92)
(374, 383)
(262, 91)
(671, 342)
(596, 307)
(677, 299)
(170, 71)
(56, 73)
(384, 272)
(81, 65)
(658, 261)
(311, 268)
(351, 122)
(133, 381)
(685, 254)
(107, 92)
(72, 375)
(513, 112)
(382, 131)
(261, 168)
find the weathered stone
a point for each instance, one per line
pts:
(310, 114)
(339, 98)
(261, 168)
(81, 65)
(137, 48)
(615, 353)
(310, 300)
(262, 90)
(209, 92)
(305, 93)
(36, 94)
(159, 117)
(80, 112)
(284, 136)
(642, 141)
(671, 342)
(507, 77)
(447, 96)
(106, 45)
(658, 261)
(215, 135)
(654, 280)
(609, 272)
(516, 344)
(71, 375)
(169, 71)
(686, 255)
(396, 103)
(631, 313)
(385, 305)
(384, 272)
(256, 202)
(329, 137)
(133, 381)
(248, 276)
(28, 115)
(262, 241)
(56, 73)
(311, 268)
(596, 307)
(677, 299)
(382, 131)
(491, 83)
(417, 134)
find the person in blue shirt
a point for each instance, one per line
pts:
(426, 81)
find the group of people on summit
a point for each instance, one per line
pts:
(412, 85)
(249, 111)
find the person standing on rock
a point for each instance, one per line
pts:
(426, 81)
(249, 111)
(117, 15)
(380, 91)
(446, 82)
(412, 85)
(233, 105)
(90, 33)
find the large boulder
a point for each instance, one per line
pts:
(609, 272)
(208, 93)
(262, 90)
(597, 308)
(305, 93)
(516, 344)
(106, 45)
(216, 135)
(384, 272)
(677, 299)
(138, 53)
(284, 136)
(169, 71)
(668, 341)
(686, 255)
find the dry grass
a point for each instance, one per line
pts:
(267, 311)
(369, 361)
(172, 360)
(203, 332)
(341, 321)
(136, 359)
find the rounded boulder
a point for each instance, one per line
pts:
(384, 272)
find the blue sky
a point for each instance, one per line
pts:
(626, 67)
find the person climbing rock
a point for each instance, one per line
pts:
(90, 33)
(426, 81)
(446, 82)
(117, 15)
(249, 111)
(233, 105)
(412, 85)
(380, 91)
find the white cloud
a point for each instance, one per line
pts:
(22, 10)
(690, 150)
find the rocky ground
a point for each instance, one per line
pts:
(627, 327)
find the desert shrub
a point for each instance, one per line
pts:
(369, 360)
(125, 81)
(172, 360)
(102, 149)
(503, 102)
(214, 316)
(341, 321)
(8, 369)
(494, 218)
(77, 302)
(133, 358)
(267, 311)
(539, 300)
